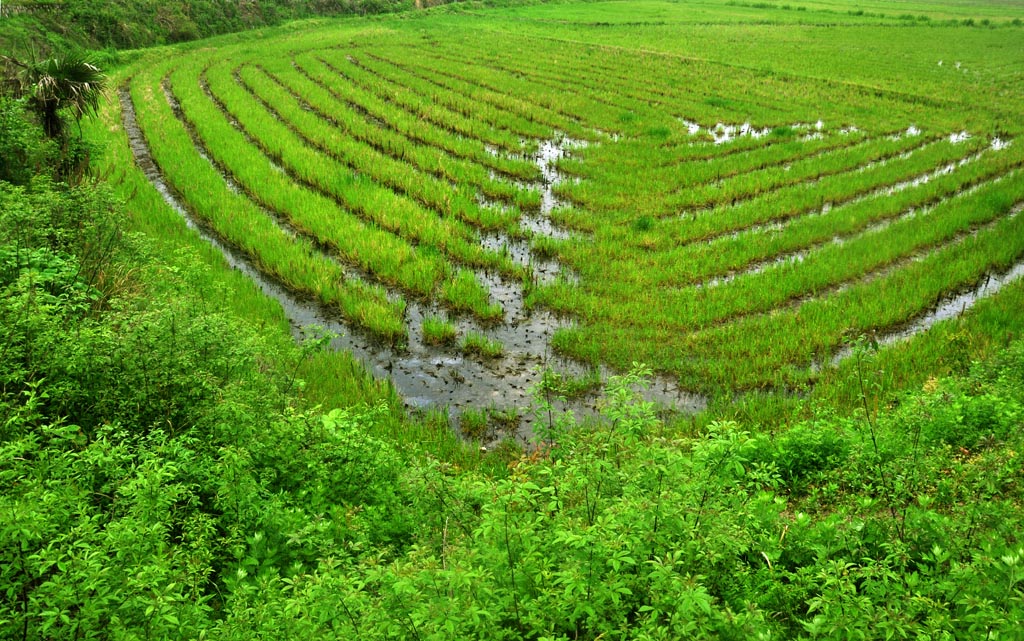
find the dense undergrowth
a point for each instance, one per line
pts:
(159, 481)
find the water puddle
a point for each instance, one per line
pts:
(539, 223)
(691, 127)
(911, 131)
(721, 133)
(429, 376)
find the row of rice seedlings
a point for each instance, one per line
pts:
(327, 177)
(780, 91)
(845, 159)
(828, 267)
(404, 178)
(616, 276)
(771, 350)
(235, 292)
(558, 110)
(772, 208)
(479, 345)
(680, 93)
(690, 148)
(780, 145)
(386, 256)
(585, 105)
(816, 330)
(745, 185)
(407, 124)
(799, 158)
(434, 105)
(675, 96)
(465, 176)
(438, 331)
(419, 104)
(696, 262)
(632, 101)
(558, 65)
(651, 150)
(392, 212)
(786, 203)
(464, 292)
(233, 217)
(333, 378)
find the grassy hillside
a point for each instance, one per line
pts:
(129, 24)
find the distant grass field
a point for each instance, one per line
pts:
(741, 188)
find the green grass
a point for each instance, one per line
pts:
(438, 331)
(479, 345)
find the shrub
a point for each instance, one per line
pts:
(801, 452)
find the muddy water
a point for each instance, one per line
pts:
(949, 308)
(428, 376)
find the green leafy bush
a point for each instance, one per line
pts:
(801, 452)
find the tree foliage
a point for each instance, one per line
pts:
(68, 80)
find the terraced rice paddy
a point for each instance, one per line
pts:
(464, 215)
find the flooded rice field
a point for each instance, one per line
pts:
(442, 377)
(445, 377)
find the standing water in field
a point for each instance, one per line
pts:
(430, 376)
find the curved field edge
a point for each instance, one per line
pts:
(331, 379)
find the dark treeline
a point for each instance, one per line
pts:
(125, 24)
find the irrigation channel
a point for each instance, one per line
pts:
(442, 377)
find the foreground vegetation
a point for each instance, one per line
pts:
(173, 465)
(159, 481)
